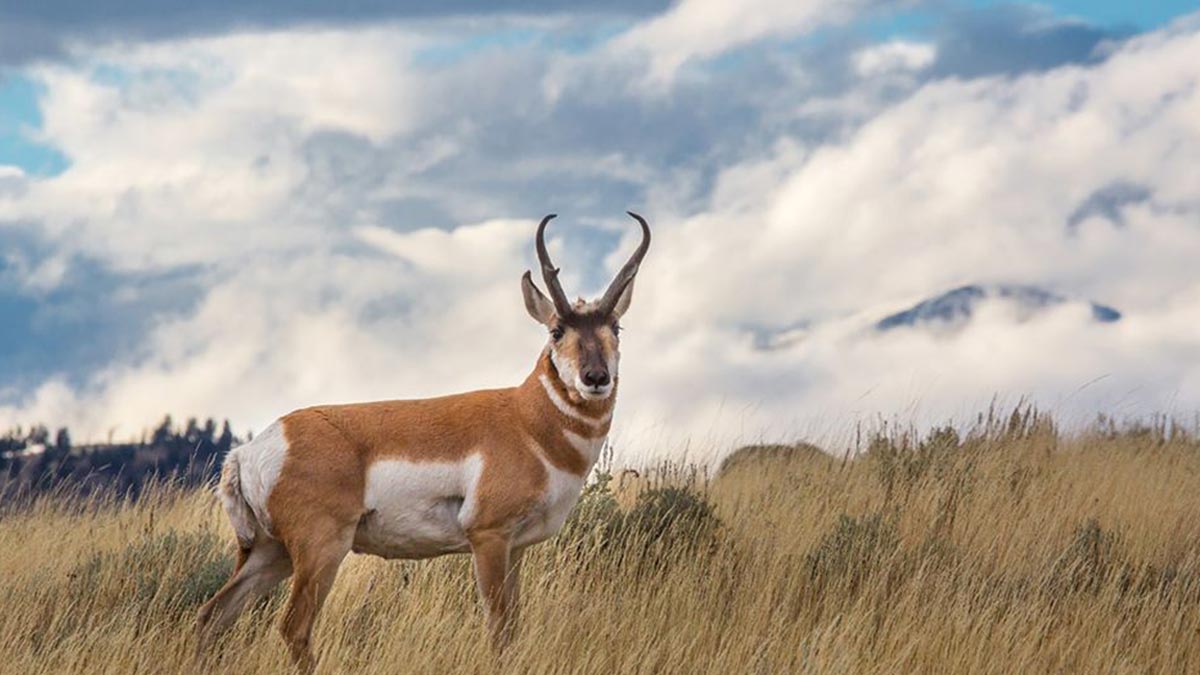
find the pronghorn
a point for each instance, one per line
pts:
(487, 472)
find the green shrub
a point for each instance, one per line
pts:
(662, 522)
(852, 550)
(178, 570)
(672, 516)
(596, 519)
(1089, 560)
(758, 457)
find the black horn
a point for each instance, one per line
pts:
(550, 272)
(629, 271)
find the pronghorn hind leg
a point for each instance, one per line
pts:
(258, 571)
(491, 553)
(243, 555)
(316, 565)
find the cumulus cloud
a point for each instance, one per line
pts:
(174, 148)
(894, 56)
(322, 325)
(361, 236)
(700, 29)
(12, 179)
(964, 181)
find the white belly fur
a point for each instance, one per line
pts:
(418, 509)
(422, 510)
(562, 493)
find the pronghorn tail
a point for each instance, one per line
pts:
(230, 492)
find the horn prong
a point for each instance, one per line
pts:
(550, 272)
(629, 270)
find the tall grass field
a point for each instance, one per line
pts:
(1009, 548)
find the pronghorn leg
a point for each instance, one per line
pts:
(512, 590)
(258, 571)
(316, 565)
(491, 557)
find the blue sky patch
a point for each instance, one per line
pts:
(1141, 15)
(921, 22)
(20, 119)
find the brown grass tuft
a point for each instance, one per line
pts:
(1010, 548)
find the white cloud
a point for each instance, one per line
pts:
(175, 148)
(963, 181)
(700, 29)
(12, 180)
(289, 331)
(892, 57)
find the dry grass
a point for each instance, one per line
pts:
(1011, 550)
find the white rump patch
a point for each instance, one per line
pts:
(259, 463)
(229, 491)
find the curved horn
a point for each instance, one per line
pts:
(629, 271)
(550, 272)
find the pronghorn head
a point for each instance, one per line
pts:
(583, 336)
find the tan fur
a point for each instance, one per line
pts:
(526, 445)
(574, 347)
(318, 500)
(331, 447)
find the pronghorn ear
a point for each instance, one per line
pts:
(623, 300)
(537, 304)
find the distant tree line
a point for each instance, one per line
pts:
(34, 461)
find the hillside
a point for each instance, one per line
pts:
(34, 462)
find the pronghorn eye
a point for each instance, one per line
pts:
(556, 333)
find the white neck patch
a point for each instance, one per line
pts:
(567, 409)
(588, 447)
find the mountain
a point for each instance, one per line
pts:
(957, 306)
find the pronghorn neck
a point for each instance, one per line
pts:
(570, 431)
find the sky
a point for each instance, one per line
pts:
(211, 210)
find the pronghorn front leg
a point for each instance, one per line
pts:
(491, 551)
(512, 589)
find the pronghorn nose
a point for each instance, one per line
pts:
(595, 378)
